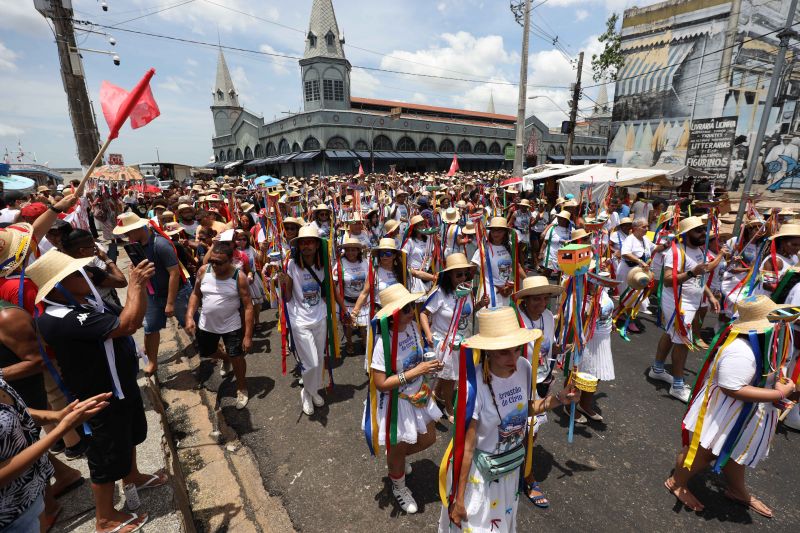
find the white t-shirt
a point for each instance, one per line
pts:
(323, 229)
(441, 307)
(500, 260)
(8, 215)
(522, 223)
(546, 323)
(307, 305)
(355, 275)
(692, 290)
(190, 229)
(552, 241)
(503, 428)
(793, 298)
(541, 222)
(642, 249)
(737, 366)
(409, 355)
(362, 237)
(641, 209)
(383, 278)
(418, 253)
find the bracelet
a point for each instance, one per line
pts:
(55, 209)
(402, 377)
(109, 261)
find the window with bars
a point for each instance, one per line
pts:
(333, 90)
(327, 89)
(311, 90)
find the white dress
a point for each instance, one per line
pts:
(492, 507)
(419, 255)
(597, 358)
(501, 272)
(691, 292)
(355, 275)
(731, 280)
(411, 421)
(441, 306)
(735, 368)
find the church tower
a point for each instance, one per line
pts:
(325, 71)
(225, 100)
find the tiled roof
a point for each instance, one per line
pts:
(456, 113)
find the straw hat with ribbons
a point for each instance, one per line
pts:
(51, 268)
(307, 232)
(293, 220)
(689, 223)
(416, 219)
(753, 313)
(15, 242)
(395, 297)
(499, 329)
(624, 220)
(469, 228)
(172, 228)
(638, 278)
(127, 222)
(386, 244)
(578, 234)
(533, 285)
(564, 214)
(321, 207)
(456, 261)
(787, 230)
(450, 215)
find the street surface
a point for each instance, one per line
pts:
(610, 477)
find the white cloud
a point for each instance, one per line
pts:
(242, 84)
(176, 84)
(20, 16)
(363, 84)
(10, 131)
(192, 63)
(441, 7)
(581, 14)
(204, 17)
(7, 58)
(280, 65)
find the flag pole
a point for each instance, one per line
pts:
(90, 170)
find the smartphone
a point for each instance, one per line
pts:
(135, 252)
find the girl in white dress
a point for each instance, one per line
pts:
(732, 385)
(503, 402)
(497, 265)
(419, 250)
(597, 358)
(417, 413)
(786, 244)
(355, 268)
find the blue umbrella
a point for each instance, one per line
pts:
(267, 181)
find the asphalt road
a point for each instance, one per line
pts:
(611, 476)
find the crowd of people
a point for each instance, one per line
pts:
(472, 303)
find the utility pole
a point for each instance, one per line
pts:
(522, 13)
(777, 70)
(81, 114)
(573, 112)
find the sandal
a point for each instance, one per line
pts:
(134, 517)
(156, 480)
(539, 501)
(752, 504)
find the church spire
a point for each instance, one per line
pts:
(323, 38)
(602, 101)
(491, 104)
(224, 92)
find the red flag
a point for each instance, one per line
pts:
(360, 169)
(118, 105)
(453, 166)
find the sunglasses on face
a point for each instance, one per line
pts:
(460, 274)
(386, 253)
(216, 262)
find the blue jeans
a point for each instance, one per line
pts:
(155, 319)
(29, 520)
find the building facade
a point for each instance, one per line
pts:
(336, 132)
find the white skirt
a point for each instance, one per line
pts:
(491, 507)
(597, 358)
(449, 359)
(362, 320)
(257, 290)
(411, 421)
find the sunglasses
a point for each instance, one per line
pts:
(386, 253)
(461, 274)
(216, 262)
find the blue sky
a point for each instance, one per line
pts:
(476, 39)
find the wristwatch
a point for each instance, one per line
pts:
(690, 274)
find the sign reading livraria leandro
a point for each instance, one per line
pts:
(711, 144)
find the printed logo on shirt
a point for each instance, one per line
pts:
(310, 294)
(411, 349)
(511, 430)
(82, 317)
(504, 269)
(463, 321)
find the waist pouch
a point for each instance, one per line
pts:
(494, 466)
(420, 398)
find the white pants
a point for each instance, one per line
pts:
(309, 341)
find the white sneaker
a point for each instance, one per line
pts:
(683, 393)
(409, 469)
(241, 400)
(224, 369)
(664, 376)
(305, 399)
(404, 498)
(317, 399)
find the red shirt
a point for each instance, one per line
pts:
(9, 291)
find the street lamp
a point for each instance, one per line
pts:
(551, 100)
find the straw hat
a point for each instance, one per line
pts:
(15, 241)
(321, 207)
(564, 214)
(352, 242)
(42, 188)
(623, 221)
(395, 297)
(51, 268)
(753, 313)
(450, 215)
(127, 222)
(293, 220)
(469, 228)
(498, 329)
(390, 226)
(416, 219)
(787, 230)
(578, 234)
(638, 278)
(688, 224)
(356, 217)
(456, 261)
(386, 243)
(533, 285)
(247, 206)
(498, 223)
(524, 202)
(184, 206)
(307, 232)
(570, 203)
(172, 228)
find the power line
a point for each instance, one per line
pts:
(161, 10)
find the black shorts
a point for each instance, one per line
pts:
(208, 343)
(116, 431)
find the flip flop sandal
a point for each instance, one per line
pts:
(134, 517)
(69, 488)
(748, 503)
(540, 501)
(156, 480)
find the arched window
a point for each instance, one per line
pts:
(494, 148)
(259, 151)
(271, 149)
(312, 40)
(596, 150)
(464, 147)
(338, 143)
(603, 151)
(427, 145)
(283, 147)
(480, 147)
(295, 148)
(220, 95)
(551, 150)
(406, 144)
(329, 38)
(230, 155)
(382, 143)
(311, 144)
(222, 155)
(561, 149)
(361, 145)
(239, 155)
(447, 146)
(248, 153)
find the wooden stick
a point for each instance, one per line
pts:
(90, 170)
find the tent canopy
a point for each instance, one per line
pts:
(601, 176)
(558, 171)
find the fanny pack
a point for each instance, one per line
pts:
(420, 399)
(494, 466)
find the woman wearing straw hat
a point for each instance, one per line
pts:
(452, 234)
(532, 301)
(520, 220)
(784, 246)
(494, 260)
(350, 285)
(321, 220)
(502, 404)
(416, 413)
(743, 249)
(555, 236)
(732, 419)
(373, 228)
(248, 255)
(439, 322)
(419, 250)
(302, 287)
(355, 230)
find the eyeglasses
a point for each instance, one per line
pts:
(461, 274)
(386, 253)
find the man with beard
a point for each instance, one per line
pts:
(187, 220)
(685, 268)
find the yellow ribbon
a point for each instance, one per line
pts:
(529, 451)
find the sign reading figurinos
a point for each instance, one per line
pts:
(711, 144)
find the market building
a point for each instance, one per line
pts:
(336, 131)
